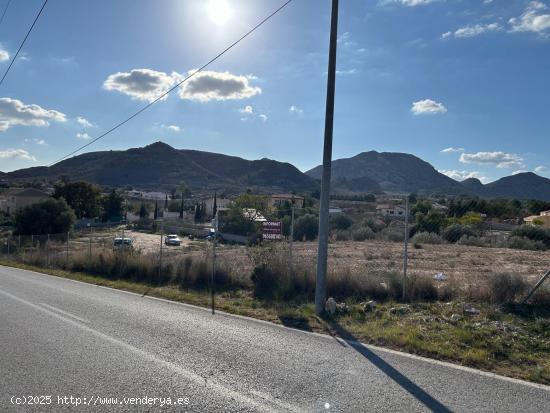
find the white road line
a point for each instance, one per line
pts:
(320, 335)
(275, 406)
(51, 307)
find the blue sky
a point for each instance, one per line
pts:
(415, 76)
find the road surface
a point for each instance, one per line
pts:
(62, 338)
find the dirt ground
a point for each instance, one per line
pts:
(464, 264)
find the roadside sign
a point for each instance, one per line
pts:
(272, 230)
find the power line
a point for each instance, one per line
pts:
(177, 85)
(23, 42)
(4, 12)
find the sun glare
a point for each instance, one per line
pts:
(219, 11)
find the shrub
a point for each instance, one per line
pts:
(533, 233)
(427, 238)
(342, 235)
(306, 227)
(506, 287)
(523, 243)
(473, 241)
(455, 232)
(362, 234)
(340, 221)
(422, 288)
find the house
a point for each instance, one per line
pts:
(390, 210)
(253, 215)
(542, 220)
(220, 203)
(13, 199)
(278, 199)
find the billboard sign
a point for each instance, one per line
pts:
(272, 230)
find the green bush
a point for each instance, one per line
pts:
(340, 221)
(473, 241)
(52, 216)
(533, 233)
(523, 243)
(306, 227)
(453, 233)
(342, 235)
(362, 234)
(426, 238)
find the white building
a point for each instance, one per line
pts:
(391, 211)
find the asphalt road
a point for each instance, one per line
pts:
(63, 338)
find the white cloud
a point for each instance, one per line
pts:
(248, 110)
(296, 110)
(452, 150)
(209, 85)
(14, 112)
(351, 71)
(462, 175)
(411, 3)
(4, 55)
(17, 153)
(141, 84)
(428, 107)
(263, 117)
(172, 128)
(520, 171)
(84, 136)
(85, 123)
(41, 142)
(499, 159)
(541, 169)
(471, 31)
(532, 19)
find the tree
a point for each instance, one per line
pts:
(156, 214)
(182, 204)
(82, 197)
(52, 216)
(166, 203)
(112, 207)
(143, 212)
(235, 223)
(340, 221)
(306, 227)
(430, 222)
(215, 207)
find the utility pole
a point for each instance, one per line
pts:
(322, 251)
(68, 240)
(406, 248)
(291, 242)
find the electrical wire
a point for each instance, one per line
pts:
(23, 42)
(4, 12)
(177, 85)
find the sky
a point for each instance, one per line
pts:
(462, 84)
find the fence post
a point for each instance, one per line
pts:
(32, 246)
(160, 255)
(405, 248)
(214, 262)
(291, 243)
(48, 252)
(90, 246)
(68, 239)
(9, 246)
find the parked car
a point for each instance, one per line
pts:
(123, 243)
(173, 240)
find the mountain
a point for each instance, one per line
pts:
(160, 166)
(394, 172)
(527, 185)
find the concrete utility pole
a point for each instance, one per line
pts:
(214, 263)
(322, 251)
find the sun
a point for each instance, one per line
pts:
(219, 11)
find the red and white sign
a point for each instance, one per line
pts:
(272, 230)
